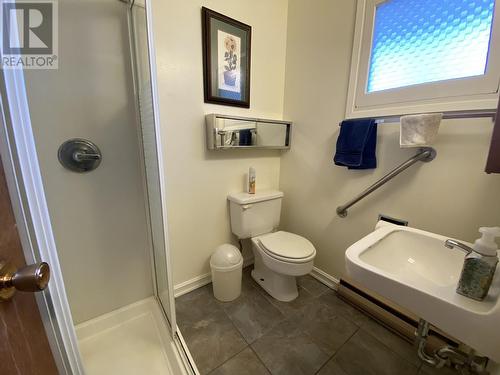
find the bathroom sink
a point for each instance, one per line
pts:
(414, 269)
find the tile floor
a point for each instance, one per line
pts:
(317, 333)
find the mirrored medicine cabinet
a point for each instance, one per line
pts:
(231, 132)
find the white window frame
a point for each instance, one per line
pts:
(477, 93)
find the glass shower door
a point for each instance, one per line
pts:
(143, 61)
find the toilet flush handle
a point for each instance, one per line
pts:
(246, 207)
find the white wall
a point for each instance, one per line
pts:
(198, 181)
(99, 217)
(451, 195)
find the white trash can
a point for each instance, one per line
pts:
(226, 264)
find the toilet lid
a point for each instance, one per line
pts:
(287, 245)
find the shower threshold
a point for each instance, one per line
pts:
(130, 340)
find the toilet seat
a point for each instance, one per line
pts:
(287, 247)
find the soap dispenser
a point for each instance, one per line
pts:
(480, 265)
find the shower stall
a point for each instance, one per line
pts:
(98, 182)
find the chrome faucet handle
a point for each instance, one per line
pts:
(81, 156)
(450, 244)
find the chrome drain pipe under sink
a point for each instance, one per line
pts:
(465, 363)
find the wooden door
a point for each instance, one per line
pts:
(24, 348)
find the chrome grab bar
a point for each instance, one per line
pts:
(425, 154)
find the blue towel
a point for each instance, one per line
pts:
(356, 144)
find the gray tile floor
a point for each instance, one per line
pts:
(317, 333)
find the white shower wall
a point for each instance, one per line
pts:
(99, 218)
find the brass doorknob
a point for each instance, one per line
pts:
(32, 278)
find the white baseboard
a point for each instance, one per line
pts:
(202, 280)
(199, 281)
(190, 285)
(324, 278)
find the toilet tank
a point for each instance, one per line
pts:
(254, 214)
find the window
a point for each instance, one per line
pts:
(414, 42)
(424, 55)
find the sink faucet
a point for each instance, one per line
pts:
(450, 244)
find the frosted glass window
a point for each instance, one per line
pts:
(422, 41)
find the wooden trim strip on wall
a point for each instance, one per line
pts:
(493, 163)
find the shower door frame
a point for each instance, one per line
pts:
(170, 314)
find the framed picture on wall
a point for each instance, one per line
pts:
(226, 59)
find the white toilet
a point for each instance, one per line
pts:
(279, 256)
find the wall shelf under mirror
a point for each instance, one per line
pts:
(233, 132)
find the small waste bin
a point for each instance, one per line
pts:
(226, 264)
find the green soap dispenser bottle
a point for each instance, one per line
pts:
(480, 265)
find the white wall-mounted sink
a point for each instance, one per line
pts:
(414, 269)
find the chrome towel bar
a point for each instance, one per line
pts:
(447, 115)
(425, 154)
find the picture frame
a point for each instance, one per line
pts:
(226, 59)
